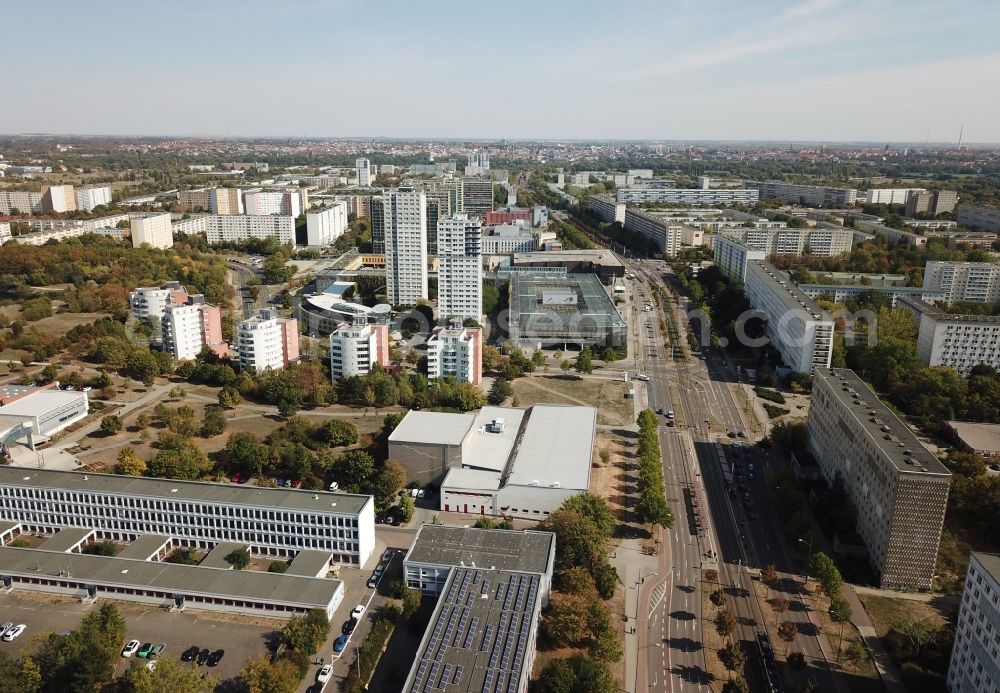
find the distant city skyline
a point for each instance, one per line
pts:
(810, 71)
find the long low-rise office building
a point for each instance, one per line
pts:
(798, 328)
(167, 585)
(491, 587)
(651, 194)
(806, 195)
(231, 228)
(897, 487)
(954, 340)
(821, 241)
(983, 217)
(271, 521)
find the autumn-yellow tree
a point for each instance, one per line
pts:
(130, 463)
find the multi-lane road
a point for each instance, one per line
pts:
(729, 527)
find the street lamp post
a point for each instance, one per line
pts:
(805, 581)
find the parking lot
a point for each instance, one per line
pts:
(240, 637)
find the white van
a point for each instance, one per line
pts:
(334, 486)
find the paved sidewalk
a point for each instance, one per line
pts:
(636, 570)
(887, 669)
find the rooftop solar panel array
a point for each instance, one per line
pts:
(481, 633)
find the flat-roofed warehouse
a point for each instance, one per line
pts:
(481, 636)
(493, 585)
(548, 310)
(271, 521)
(166, 584)
(502, 460)
(438, 548)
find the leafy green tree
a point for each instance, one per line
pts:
(577, 674)
(169, 675)
(354, 469)
(307, 633)
(595, 509)
(411, 602)
(390, 479)
(261, 675)
(246, 451)
(277, 567)
(179, 458)
(825, 570)
(85, 659)
(735, 686)
(338, 433)
(733, 657)
(491, 297)
(229, 397)
(214, 421)
(585, 361)
(499, 391)
(111, 424)
(407, 507)
(142, 365)
(491, 358)
(724, 622)
(238, 559)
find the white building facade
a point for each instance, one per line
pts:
(354, 349)
(88, 198)
(152, 229)
(973, 282)
(732, 255)
(662, 231)
(460, 267)
(405, 223)
(975, 655)
(798, 328)
(324, 226)
(366, 172)
(272, 522)
(457, 353)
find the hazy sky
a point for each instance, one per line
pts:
(893, 70)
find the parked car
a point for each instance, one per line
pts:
(145, 650)
(157, 651)
(202, 656)
(216, 657)
(324, 674)
(334, 486)
(14, 632)
(151, 664)
(349, 626)
(297, 483)
(357, 611)
(190, 653)
(130, 648)
(372, 582)
(5, 627)
(340, 643)
(236, 478)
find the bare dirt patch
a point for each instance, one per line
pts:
(613, 409)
